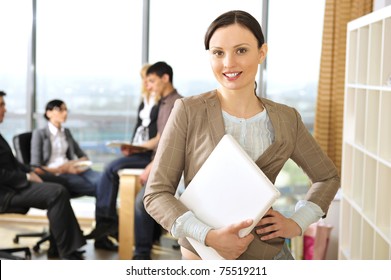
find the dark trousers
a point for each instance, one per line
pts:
(63, 224)
(146, 229)
(77, 184)
(107, 190)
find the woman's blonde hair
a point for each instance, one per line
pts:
(144, 91)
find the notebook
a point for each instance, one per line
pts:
(119, 144)
(228, 188)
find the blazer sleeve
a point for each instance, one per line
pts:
(14, 179)
(11, 176)
(317, 165)
(159, 199)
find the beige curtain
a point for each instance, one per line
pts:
(330, 101)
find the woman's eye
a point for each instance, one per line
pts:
(218, 53)
(241, 50)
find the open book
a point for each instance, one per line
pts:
(118, 144)
(228, 188)
(83, 164)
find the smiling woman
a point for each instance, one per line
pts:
(271, 133)
(235, 62)
(95, 70)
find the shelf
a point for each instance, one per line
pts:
(357, 182)
(344, 239)
(355, 234)
(351, 57)
(369, 153)
(362, 63)
(374, 66)
(372, 121)
(359, 116)
(361, 86)
(383, 192)
(382, 249)
(349, 117)
(385, 124)
(347, 169)
(365, 218)
(370, 179)
(386, 73)
(367, 247)
(355, 245)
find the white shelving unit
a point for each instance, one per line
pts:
(365, 218)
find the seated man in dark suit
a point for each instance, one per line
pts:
(21, 189)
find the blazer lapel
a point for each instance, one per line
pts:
(217, 129)
(47, 146)
(215, 117)
(8, 149)
(4, 143)
(263, 160)
(71, 149)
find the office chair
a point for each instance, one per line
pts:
(7, 254)
(22, 146)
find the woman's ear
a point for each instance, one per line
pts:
(262, 53)
(48, 114)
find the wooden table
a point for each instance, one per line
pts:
(129, 186)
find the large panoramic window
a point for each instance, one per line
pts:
(15, 34)
(89, 55)
(294, 40)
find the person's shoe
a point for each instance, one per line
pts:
(105, 244)
(76, 255)
(114, 235)
(176, 246)
(102, 230)
(141, 257)
(52, 252)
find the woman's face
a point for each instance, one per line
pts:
(58, 115)
(235, 56)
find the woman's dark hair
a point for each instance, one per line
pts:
(51, 105)
(240, 17)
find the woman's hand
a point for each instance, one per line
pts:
(73, 169)
(63, 169)
(226, 241)
(274, 224)
(127, 150)
(69, 168)
(34, 177)
(144, 176)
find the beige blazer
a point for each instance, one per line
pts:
(193, 130)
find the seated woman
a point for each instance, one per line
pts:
(61, 159)
(56, 151)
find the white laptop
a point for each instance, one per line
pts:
(228, 188)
